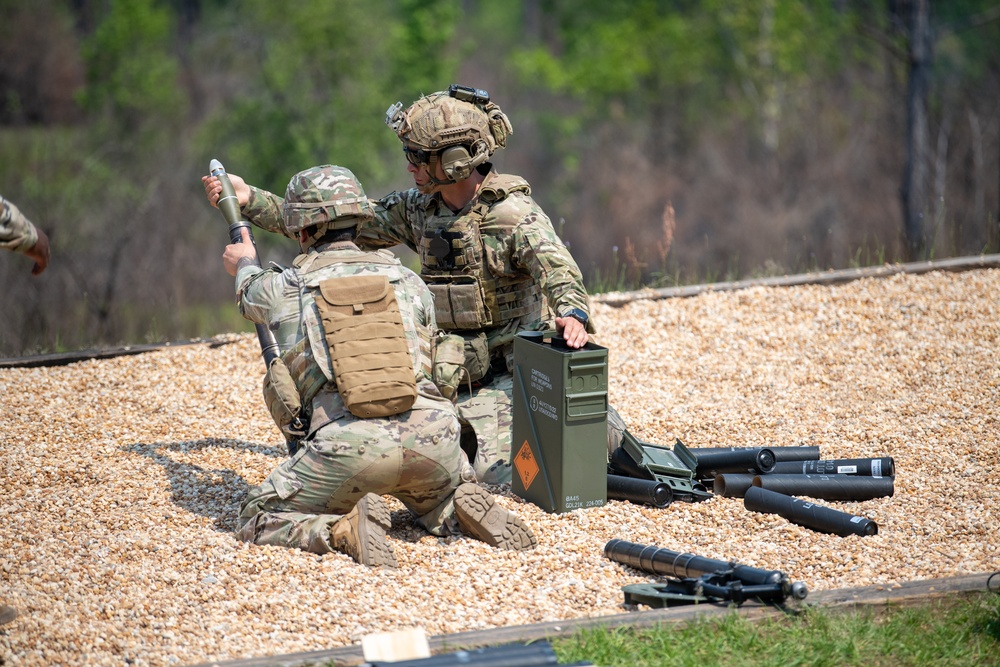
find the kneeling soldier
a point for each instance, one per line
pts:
(356, 331)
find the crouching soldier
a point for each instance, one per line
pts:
(357, 335)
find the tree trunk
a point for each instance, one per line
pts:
(978, 182)
(940, 175)
(915, 176)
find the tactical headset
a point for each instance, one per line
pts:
(460, 160)
(458, 164)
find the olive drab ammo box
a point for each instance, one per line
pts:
(559, 450)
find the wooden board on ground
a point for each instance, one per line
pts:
(877, 598)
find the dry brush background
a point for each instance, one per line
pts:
(122, 477)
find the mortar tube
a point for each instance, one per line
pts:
(667, 563)
(873, 467)
(806, 514)
(827, 487)
(732, 484)
(711, 461)
(781, 454)
(640, 491)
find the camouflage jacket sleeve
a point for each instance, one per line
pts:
(537, 249)
(264, 210)
(394, 222)
(258, 292)
(390, 227)
(16, 231)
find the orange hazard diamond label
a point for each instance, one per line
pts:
(526, 465)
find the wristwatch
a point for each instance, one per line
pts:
(577, 315)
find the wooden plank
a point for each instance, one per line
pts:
(878, 598)
(823, 278)
(911, 592)
(65, 358)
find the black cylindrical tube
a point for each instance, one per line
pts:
(810, 453)
(827, 487)
(642, 491)
(623, 464)
(666, 563)
(809, 515)
(711, 461)
(732, 484)
(878, 467)
(229, 207)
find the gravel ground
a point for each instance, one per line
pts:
(122, 478)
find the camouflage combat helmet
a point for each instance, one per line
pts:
(459, 116)
(325, 197)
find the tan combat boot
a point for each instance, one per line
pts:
(480, 516)
(361, 533)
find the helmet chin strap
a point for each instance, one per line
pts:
(435, 183)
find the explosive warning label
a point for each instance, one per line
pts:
(526, 465)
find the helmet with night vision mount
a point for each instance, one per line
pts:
(460, 127)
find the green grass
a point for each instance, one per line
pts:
(962, 632)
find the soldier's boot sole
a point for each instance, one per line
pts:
(481, 517)
(361, 533)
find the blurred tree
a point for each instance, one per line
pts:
(40, 64)
(700, 62)
(422, 47)
(652, 82)
(132, 76)
(966, 32)
(325, 74)
(136, 108)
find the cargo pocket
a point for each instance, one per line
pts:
(285, 482)
(281, 395)
(449, 363)
(459, 304)
(477, 356)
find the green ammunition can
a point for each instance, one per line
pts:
(559, 451)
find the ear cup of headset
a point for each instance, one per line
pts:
(458, 164)
(455, 162)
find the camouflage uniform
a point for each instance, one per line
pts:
(16, 231)
(495, 268)
(413, 456)
(515, 244)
